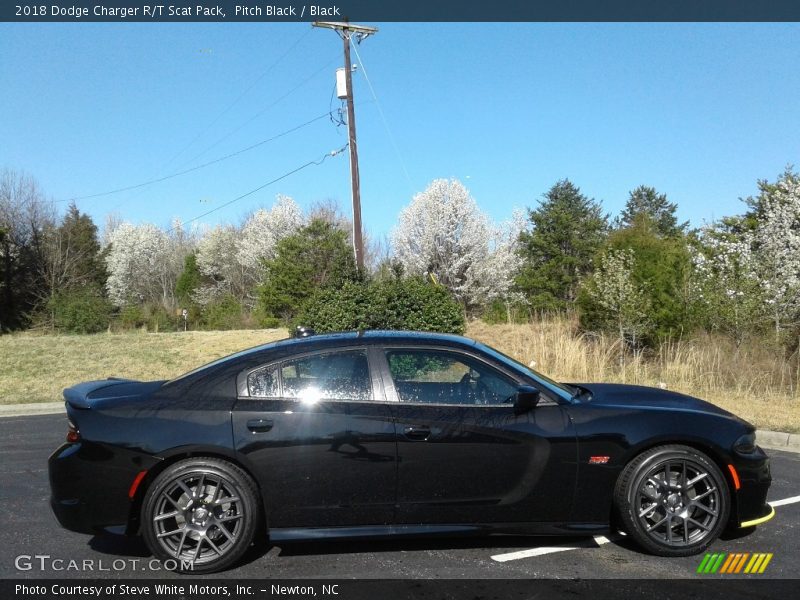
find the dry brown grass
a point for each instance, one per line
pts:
(751, 381)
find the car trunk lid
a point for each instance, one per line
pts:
(96, 394)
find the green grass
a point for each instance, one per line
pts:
(36, 368)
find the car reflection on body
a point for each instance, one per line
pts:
(378, 433)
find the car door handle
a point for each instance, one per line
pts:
(417, 433)
(260, 425)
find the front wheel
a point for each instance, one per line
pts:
(673, 500)
(200, 514)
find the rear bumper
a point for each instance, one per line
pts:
(89, 488)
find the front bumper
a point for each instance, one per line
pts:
(751, 498)
(760, 520)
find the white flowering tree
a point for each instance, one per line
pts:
(443, 233)
(216, 261)
(776, 248)
(493, 277)
(138, 269)
(726, 283)
(260, 235)
(613, 289)
(232, 259)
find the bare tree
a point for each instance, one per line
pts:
(25, 218)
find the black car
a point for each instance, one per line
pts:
(378, 433)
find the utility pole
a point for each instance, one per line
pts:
(346, 31)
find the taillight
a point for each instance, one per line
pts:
(73, 435)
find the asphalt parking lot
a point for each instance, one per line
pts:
(28, 528)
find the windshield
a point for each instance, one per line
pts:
(562, 390)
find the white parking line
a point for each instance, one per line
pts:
(599, 540)
(785, 501)
(531, 552)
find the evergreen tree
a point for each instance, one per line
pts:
(74, 269)
(81, 248)
(315, 257)
(660, 268)
(647, 201)
(188, 281)
(566, 231)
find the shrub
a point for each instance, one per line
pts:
(81, 311)
(158, 318)
(411, 304)
(131, 316)
(351, 306)
(148, 316)
(417, 305)
(223, 313)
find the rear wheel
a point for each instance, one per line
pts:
(201, 512)
(673, 500)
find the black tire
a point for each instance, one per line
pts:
(200, 515)
(672, 500)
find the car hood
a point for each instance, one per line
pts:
(97, 394)
(628, 396)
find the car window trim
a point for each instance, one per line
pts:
(243, 392)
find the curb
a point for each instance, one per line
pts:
(37, 408)
(773, 440)
(778, 440)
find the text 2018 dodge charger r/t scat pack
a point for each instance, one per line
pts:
(385, 433)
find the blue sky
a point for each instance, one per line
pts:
(699, 111)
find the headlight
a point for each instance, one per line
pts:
(745, 444)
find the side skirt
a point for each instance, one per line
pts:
(387, 531)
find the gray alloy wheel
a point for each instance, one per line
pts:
(673, 500)
(200, 512)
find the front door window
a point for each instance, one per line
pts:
(442, 377)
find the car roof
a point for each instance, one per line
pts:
(329, 340)
(368, 336)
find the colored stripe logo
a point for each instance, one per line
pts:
(735, 563)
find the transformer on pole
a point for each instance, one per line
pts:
(344, 90)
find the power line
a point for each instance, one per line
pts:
(236, 100)
(383, 118)
(198, 167)
(339, 120)
(261, 112)
(261, 187)
(239, 97)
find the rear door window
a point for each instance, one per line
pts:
(342, 375)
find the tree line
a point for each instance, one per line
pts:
(642, 276)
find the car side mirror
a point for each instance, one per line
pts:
(526, 398)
